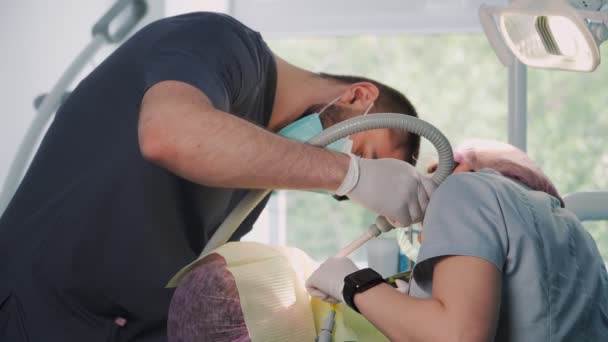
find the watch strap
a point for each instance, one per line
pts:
(358, 282)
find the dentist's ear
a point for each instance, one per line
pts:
(360, 94)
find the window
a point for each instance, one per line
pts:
(567, 125)
(456, 82)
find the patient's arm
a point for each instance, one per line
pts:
(461, 309)
(206, 306)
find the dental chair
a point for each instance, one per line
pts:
(588, 206)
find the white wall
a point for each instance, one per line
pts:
(38, 40)
(289, 18)
(292, 18)
(175, 7)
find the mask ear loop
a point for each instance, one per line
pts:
(329, 104)
(368, 109)
(348, 138)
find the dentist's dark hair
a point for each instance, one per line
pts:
(389, 100)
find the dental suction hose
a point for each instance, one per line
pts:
(394, 121)
(380, 226)
(328, 136)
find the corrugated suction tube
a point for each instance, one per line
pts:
(328, 136)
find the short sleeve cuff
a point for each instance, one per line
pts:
(489, 254)
(424, 266)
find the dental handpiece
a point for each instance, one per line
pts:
(380, 226)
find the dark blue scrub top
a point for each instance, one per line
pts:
(94, 232)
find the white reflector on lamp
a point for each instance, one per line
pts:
(550, 41)
(546, 34)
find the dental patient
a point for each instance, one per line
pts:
(501, 260)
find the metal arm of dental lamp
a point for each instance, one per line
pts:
(103, 33)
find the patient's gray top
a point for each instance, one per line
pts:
(555, 286)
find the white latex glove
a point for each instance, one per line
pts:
(327, 282)
(402, 286)
(389, 187)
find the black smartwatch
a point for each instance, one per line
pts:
(359, 282)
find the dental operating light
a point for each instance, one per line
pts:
(553, 34)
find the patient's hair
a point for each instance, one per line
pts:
(508, 160)
(534, 179)
(206, 307)
(389, 100)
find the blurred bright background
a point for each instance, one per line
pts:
(433, 51)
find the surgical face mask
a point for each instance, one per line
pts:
(310, 126)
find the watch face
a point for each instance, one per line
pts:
(364, 276)
(358, 282)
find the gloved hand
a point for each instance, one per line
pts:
(389, 187)
(402, 286)
(327, 282)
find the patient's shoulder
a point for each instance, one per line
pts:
(485, 191)
(469, 186)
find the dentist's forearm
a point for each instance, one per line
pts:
(214, 148)
(219, 149)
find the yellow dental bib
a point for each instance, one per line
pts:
(274, 301)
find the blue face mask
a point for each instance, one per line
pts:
(310, 126)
